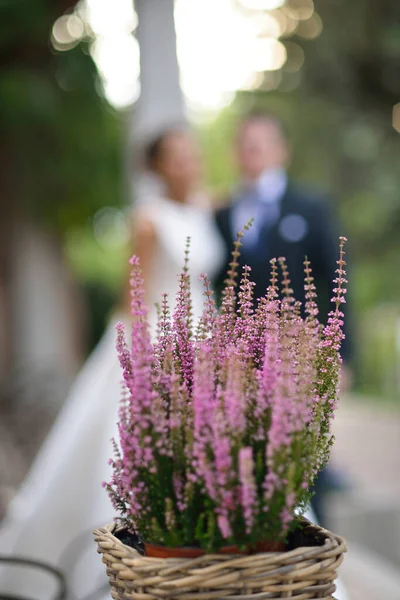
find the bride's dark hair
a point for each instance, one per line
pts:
(154, 148)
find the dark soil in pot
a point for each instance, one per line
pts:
(297, 538)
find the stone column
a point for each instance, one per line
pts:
(161, 101)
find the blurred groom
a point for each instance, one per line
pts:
(288, 221)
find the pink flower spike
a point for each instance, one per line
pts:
(224, 427)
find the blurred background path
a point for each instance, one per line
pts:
(368, 515)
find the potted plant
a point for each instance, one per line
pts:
(223, 428)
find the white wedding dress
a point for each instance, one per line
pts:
(62, 501)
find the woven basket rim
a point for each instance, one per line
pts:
(332, 542)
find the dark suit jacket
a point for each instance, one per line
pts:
(306, 227)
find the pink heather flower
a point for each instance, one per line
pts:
(203, 398)
(225, 323)
(287, 512)
(182, 327)
(224, 527)
(136, 453)
(248, 489)
(223, 465)
(284, 395)
(124, 354)
(164, 330)
(231, 418)
(207, 321)
(311, 307)
(179, 492)
(234, 397)
(286, 517)
(139, 310)
(272, 359)
(245, 308)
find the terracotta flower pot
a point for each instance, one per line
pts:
(155, 551)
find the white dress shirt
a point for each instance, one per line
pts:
(259, 201)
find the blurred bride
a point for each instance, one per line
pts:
(61, 501)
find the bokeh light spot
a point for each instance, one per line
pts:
(61, 36)
(270, 54)
(75, 27)
(110, 228)
(216, 55)
(262, 4)
(396, 117)
(111, 18)
(271, 81)
(311, 28)
(269, 25)
(117, 59)
(361, 142)
(303, 8)
(295, 57)
(292, 20)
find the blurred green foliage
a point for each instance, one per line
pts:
(61, 139)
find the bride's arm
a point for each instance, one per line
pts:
(143, 245)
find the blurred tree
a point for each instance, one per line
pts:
(60, 142)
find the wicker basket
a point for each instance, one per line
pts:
(305, 573)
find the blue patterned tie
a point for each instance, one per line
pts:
(265, 215)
